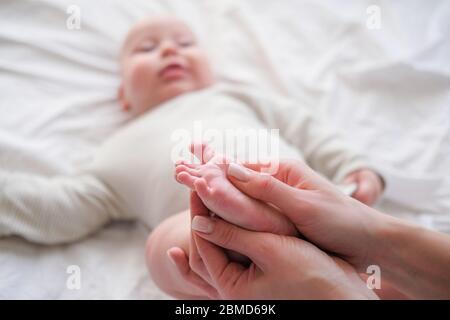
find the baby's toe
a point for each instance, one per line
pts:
(191, 171)
(186, 164)
(202, 151)
(186, 179)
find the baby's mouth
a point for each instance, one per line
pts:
(172, 71)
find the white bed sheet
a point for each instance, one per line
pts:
(388, 91)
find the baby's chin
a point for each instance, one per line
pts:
(169, 92)
(177, 88)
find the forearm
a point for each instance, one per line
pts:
(53, 210)
(415, 260)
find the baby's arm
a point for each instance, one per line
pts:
(53, 210)
(329, 154)
(323, 148)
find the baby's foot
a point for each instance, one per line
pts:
(210, 182)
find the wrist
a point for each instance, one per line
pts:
(331, 288)
(393, 252)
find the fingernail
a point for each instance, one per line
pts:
(202, 224)
(238, 172)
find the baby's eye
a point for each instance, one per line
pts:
(147, 47)
(185, 42)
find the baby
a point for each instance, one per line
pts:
(168, 85)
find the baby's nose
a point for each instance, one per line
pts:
(168, 49)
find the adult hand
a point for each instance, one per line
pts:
(322, 214)
(190, 265)
(334, 222)
(283, 267)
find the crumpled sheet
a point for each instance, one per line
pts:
(386, 90)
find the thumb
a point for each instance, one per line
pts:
(254, 245)
(266, 188)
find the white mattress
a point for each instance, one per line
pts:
(387, 90)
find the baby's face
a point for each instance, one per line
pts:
(160, 60)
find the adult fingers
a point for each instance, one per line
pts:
(195, 261)
(293, 172)
(180, 260)
(224, 273)
(255, 245)
(266, 188)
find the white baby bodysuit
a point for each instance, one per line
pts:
(132, 175)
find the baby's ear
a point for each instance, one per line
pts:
(122, 100)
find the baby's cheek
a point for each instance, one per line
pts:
(202, 73)
(142, 74)
(139, 78)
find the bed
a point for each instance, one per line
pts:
(385, 86)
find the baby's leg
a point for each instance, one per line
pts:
(210, 182)
(172, 232)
